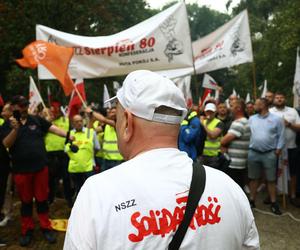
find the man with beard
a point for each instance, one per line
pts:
(270, 98)
(25, 140)
(224, 115)
(266, 143)
(292, 126)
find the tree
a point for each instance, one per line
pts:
(91, 18)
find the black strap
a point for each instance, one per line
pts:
(196, 191)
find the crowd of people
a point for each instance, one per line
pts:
(38, 151)
(248, 141)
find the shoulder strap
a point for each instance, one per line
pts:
(196, 191)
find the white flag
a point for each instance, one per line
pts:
(229, 45)
(106, 97)
(296, 88)
(161, 42)
(116, 86)
(248, 98)
(265, 89)
(283, 173)
(234, 92)
(184, 84)
(34, 95)
(209, 82)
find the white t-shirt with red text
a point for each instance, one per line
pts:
(140, 203)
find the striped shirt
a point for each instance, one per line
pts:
(238, 148)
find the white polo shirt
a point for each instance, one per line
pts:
(140, 203)
(291, 115)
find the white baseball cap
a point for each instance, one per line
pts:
(210, 107)
(143, 91)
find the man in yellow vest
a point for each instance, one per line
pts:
(111, 154)
(212, 146)
(57, 158)
(81, 152)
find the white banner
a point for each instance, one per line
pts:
(296, 88)
(227, 46)
(184, 84)
(209, 82)
(159, 43)
(106, 97)
(34, 96)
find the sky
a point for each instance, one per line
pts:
(218, 5)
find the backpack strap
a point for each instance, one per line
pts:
(196, 190)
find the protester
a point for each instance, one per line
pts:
(189, 135)
(236, 143)
(292, 125)
(111, 154)
(99, 129)
(57, 158)
(213, 128)
(25, 140)
(224, 115)
(4, 159)
(266, 143)
(139, 204)
(232, 98)
(250, 109)
(270, 98)
(4, 165)
(81, 152)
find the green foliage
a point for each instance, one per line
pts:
(90, 18)
(278, 22)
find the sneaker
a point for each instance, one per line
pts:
(294, 202)
(2, 243)
(49, 235)
(26, 239)
(275, 208)
(267, 200)
(252, 203)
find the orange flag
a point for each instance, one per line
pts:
(55, 58)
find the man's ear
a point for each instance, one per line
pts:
(128, 133)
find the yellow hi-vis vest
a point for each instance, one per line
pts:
(1, 121)
(110, 145)
(100, 137)
(212, 146)
(83, 160)
(54, 142)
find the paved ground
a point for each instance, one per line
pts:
(276, 233)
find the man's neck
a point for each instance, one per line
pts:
(280, 107)
(239, 116)
(264, 112)
(222, 117)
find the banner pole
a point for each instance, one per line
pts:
(254, 80)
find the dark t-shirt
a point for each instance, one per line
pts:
(28, 153)
(4, 156)
(226, 123)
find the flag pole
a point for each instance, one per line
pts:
(254, 80)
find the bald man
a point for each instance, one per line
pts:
(140, 204)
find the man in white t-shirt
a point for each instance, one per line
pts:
(140, 204)
(292, 126)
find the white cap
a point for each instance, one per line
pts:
(143, 91)
(210, 107)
